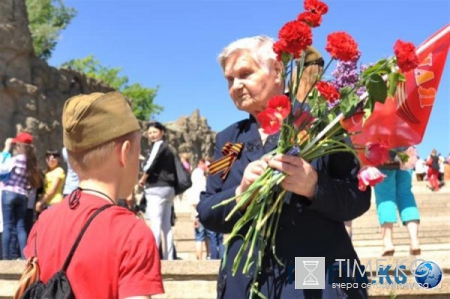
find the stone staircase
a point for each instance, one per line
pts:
(188, 278)
(434, 229)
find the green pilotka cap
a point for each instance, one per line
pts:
(312, 54)
(93, 119)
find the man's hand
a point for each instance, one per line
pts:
(301, 177)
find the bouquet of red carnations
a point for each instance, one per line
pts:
(315, 125)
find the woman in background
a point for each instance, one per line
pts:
(23, 173)
(158, 181)
(395, 192)
(54, 181)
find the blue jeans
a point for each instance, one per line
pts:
(14, 207)
(216, 246)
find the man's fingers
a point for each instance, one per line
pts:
(287, 164)
(294, 160)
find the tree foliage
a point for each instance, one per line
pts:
(142, 97)
(47, 18)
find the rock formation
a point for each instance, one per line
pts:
(191, 135)
(32, 93)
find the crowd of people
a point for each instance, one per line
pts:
(435, 168)
(27, 191)
(102, 158)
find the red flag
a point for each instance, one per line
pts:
(402, 122)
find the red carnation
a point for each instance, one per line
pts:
(316, 6)
(377, 153)
(342, 46)
(406, 56)
(310, 18)
(297, 35)
(369, 176)
(270, 123)
(279, 47)
(328, 91)
(280, 104)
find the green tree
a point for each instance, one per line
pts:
(47, 18)
(142, 97)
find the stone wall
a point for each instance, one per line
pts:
(32, 93)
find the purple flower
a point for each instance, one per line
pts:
(346, 74)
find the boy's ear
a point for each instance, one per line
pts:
(124, 154)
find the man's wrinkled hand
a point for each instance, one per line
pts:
(301, 177)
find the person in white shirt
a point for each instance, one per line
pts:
(420, 169)
(198, 179)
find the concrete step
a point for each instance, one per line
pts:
(192, 289)
(398, 228)
(401, 233)
(434, 228)
(197, 279)
(427, 250)
(401, 241)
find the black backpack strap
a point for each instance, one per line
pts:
(83, 230)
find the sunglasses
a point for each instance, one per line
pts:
(52, 155)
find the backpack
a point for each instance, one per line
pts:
(58, 287)
(182, 177)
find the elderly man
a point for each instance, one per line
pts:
(117, 256)
(324, 192)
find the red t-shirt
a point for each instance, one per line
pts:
(116, 258)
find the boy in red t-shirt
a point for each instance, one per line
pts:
(117, 256)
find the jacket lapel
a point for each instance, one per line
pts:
(253, 146)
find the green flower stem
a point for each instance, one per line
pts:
(323, 132)
(278, 214)
(271, 210)
(242, 250)
(254, 239)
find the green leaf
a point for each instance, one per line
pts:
(349, 101)
(377, 89)
(46, 20)
(403, 157)
(381, 65)
(393, 79)
(368, 108)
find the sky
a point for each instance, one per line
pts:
(175, 44)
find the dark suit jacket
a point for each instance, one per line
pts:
(162, 170)
(306, 228)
